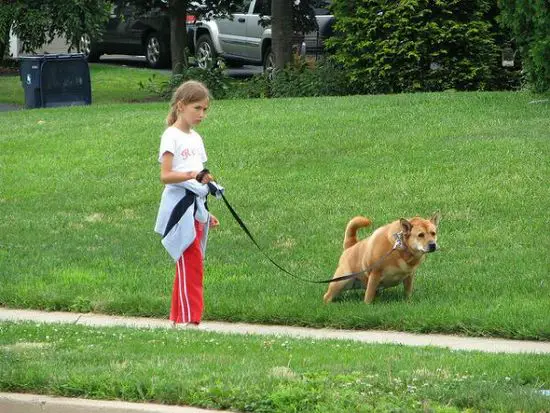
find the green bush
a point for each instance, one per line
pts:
(322, 78)
(214, 79)
(300, 79)
(415, 45)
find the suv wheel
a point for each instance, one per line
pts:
(156, 52)
(269, 63)
(205, 54)
(85, 47)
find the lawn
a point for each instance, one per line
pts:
(259, 374)
(80, 190)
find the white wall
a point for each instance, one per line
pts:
(59, 45)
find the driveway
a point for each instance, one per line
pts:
(5, 107)
(139, 61)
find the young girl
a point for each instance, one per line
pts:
(183, 219)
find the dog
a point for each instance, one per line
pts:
(391, 254)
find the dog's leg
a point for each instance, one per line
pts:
(335, 288)
(328, 297)
(333, 291)
(372, 286)
(408, 285)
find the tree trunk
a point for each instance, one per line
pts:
(4, 43)
(178, 35)
(281, 31)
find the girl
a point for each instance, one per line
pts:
(183, 219)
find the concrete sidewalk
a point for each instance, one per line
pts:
(492, 345)
(35, 403)
(30, 403)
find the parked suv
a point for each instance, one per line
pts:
(130, 32)
(242, 39)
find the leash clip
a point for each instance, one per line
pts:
(398, 240)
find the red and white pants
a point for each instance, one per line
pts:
(187, 296)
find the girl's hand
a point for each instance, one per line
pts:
(207, 178)
(204, 176)
(214, 221)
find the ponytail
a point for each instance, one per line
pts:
(172, 115)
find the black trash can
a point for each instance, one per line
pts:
(52, 80)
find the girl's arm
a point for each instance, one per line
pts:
(169, 176)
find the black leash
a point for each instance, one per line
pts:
(241, 223)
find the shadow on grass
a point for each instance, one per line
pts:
(389, 295)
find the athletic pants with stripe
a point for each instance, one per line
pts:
(187, 296)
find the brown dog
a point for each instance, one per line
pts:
(410, 240)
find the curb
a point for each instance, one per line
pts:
(34, 403)
(491, 345)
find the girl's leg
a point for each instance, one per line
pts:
(187, 296)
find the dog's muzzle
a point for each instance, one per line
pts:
(432, 246)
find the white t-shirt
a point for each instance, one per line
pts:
(187, 148)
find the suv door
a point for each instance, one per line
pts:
(232, 32)
(255, 30)
(121, 35)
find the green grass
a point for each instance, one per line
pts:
(110, 84)
(254, 373)
(80, 188)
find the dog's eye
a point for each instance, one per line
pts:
(421, 235)
(432, 234)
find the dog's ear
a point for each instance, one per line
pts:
(436, 218)
(406, 226)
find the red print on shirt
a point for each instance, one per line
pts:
(186, 153)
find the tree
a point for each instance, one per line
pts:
(38, 22)
(6, 18)
(281, 31)
(289, 20)
(530, 24)
(178, 35)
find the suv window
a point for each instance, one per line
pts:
(262, 7)
(246, 6)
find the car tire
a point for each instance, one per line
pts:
(269, 63)
(86, 47)
(156, 52)
(205, 55)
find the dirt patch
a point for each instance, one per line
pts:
(24, 346)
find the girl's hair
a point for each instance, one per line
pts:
(188, 92)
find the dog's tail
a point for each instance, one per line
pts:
(350, 237)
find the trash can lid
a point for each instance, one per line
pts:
(65, 56)
(51, 56)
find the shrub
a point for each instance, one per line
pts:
(302, 78)
(322, 78)
(214, 79)
(415, 45)
(299, 79)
